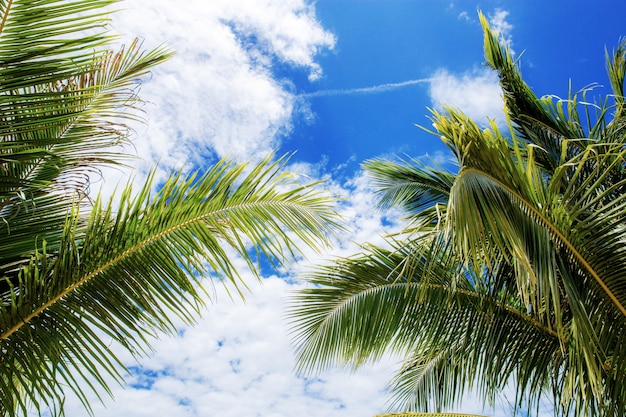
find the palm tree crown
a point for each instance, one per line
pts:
(512, 268)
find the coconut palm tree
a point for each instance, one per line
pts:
(79, 274)
(511, 271)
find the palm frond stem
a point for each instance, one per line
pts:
(554, 231)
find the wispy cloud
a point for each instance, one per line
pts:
(464, 16)
(500, 24)
(375, 89)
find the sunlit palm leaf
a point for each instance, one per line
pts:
(361, 307)
(409, 184)
(125, 275)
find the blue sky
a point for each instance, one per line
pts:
(396, 41)
(338, 81)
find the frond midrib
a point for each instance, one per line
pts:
(336, 311)
(554, 230)
(135, 249)
(6, 16)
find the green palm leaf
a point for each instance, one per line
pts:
(408, 300)
(126, 274)
(409, 184)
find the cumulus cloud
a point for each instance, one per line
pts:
(475, 93)
(238, 361)
(218, 97)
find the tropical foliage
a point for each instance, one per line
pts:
(511, 271)
(76, 275)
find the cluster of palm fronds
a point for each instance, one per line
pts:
(76, 275)
(512, 269)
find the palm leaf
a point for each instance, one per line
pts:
(359, 308)
(409, 184)
(75, 277)
(497, 214)
(126, 274)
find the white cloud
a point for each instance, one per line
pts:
(287, 29)
(374, 89)
(476, 93)
(238, 361)
(498, 22)
(464, 16)
(218, 96)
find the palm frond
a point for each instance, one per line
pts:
(76, 278)
(63, 109)
(125, 275)
(563, 249)
(396, 301)
(44, 127)
(616, 68)
(48, 41)
(409, 184)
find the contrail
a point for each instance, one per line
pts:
(365, 90)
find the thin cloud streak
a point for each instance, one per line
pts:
(381, 88)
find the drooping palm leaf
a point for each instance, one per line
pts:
(64, 101)
(411, 301)
(410, 184)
